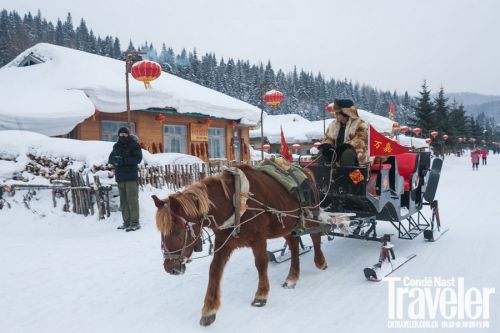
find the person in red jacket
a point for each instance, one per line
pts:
(474, 157)
(484, 155)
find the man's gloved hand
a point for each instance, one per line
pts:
(324, 146)
(326, 150)
(118, 161)
(344, 147)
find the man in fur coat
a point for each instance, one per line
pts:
(347, 136)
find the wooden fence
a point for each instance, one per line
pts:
(176, 176)
(80, 195)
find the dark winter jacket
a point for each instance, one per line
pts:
(125, 157)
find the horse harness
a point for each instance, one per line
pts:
(241, 195)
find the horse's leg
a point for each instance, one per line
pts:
(294, 272)
(319, 258)
(259, 250)
(212, 297)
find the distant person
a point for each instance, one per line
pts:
(126, 156)
(484, 155)
(347, 136)
(474, 157)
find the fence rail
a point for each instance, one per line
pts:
(176, 176)
(80, 195)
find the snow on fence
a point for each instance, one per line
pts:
(80, 194)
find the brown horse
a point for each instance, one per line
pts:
(181, 217)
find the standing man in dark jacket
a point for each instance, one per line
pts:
(126, 155)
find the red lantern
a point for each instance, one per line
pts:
(417, 131)
(445, 137)
(266, 147)
(434, 134)
(330, 107)
(273, 98)
(160, 117)
(395, 125)
(317, 144)
(296, 146)
(234, 124)
(404, 129)
(428, 141)
(146, 71)
(208, 121)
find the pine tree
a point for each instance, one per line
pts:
(441, 110)
(424, 110)
(68, 34)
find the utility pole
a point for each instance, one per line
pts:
(131, 57)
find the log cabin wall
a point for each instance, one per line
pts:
(150, 131)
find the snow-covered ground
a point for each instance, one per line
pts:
(63, 273)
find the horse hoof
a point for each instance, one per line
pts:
(205, 321)
(259, 302)
(289, 285)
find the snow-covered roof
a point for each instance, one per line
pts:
(297, 129)
(53, 96)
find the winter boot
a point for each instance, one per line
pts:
(123, 227)
(134, 227)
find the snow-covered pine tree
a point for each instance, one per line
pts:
(424, 110)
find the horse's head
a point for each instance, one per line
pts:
(179, 219)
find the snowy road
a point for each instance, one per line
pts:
(69, 274)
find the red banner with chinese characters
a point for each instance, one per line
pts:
(381, 146)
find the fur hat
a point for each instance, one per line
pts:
(345, 107)
(123, 130)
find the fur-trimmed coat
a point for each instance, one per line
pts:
(356, 133)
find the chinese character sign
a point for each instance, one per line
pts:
(380, 145)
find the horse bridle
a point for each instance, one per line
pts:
(188, 227)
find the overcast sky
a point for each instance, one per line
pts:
(389, 44)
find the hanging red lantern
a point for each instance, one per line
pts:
(266, 147)
(428, 141)
(434, 134)
(296, 146)
(445, 137)
(317, 144)
(330, 107)
(417, 131)
(404, 129)
(273, 98)
(234, 124)
(208, 121)
(146, 71)
(160, 117)
(395, 125)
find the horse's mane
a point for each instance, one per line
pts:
(194, 201)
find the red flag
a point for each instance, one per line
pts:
(284, 151)
(392, 111)
(380, 145)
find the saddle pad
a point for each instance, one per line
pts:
(292, 179)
